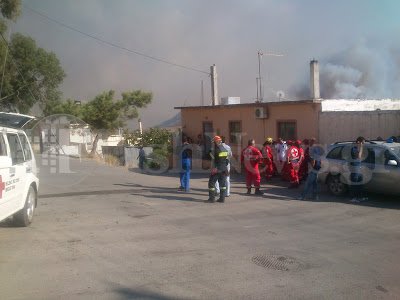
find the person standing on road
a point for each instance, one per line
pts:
(293, 156)
(303, 171)
(228, 167)
(281, 149)
(218, 172)
(251, 157)
(268, 160)
(185, 166)
(141, 157)
(312, 179)
(356, 178)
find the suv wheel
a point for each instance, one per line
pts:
(25, 216)
(336, 186)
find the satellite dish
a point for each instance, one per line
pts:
(280, 94)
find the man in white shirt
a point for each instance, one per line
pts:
(228, 184)
(281, 149)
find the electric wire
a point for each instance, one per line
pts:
(113, 44)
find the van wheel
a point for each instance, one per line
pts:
(25, 216)
(336, 186)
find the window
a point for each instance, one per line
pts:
(336, 153)
(287, 130)
(235, 133)
(25, 147)
(17, 155)
(3, 148)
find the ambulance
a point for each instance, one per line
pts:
(19, 183)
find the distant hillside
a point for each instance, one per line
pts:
(172, 123)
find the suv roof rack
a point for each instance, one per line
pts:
(367, 141)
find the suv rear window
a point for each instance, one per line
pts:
(17, 155)
(3, 148)
(25, 147)
(335, 153)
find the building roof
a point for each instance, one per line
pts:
(256, 104)
(327, 105)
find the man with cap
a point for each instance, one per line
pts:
(251, 157)
(218, 172)
(268, 159)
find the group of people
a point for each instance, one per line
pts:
(289, 159)
(293, 163)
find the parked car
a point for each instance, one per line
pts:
(380, 167)
(19, 183)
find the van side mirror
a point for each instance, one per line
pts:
(5, 162)
(392, 163)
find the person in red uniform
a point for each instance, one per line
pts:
(303, 171)
(286, 167)
(268, 160)
(251, 157)
(293, 157)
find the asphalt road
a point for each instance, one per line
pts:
(110, 233)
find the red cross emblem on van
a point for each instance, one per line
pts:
(2, 187)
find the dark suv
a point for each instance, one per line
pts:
(380, 167)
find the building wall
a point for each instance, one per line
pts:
(304, 114)
(347, 126)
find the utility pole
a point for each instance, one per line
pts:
(260, 55)
(214, 85)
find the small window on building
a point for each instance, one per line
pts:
(287, 130)
(235, 133)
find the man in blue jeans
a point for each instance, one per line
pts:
(312, 179)
(185, 166)
(356, 178)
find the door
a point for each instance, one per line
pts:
(5, 197)
(208, 135)
(386, 178)
(16, 183)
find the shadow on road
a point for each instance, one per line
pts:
(128, 293)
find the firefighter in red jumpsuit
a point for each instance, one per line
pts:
(293, 156)
(303, 171)
(268, 160)
(251, 157)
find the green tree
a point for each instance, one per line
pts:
(105, 115)
(31, 75)
(10, 8)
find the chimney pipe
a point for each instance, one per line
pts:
(314, 80)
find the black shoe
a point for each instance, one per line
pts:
(209, 201)
(248, 191)
(258, 192)
(220, 201)
(181, 188)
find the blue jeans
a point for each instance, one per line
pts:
(356, 188)
(312, 180)
(185, 175)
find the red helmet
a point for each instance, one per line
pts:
(297, 143)
(289, 142)
(217, 138)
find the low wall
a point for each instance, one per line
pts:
(347, 126)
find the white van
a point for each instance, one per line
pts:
(19, 183)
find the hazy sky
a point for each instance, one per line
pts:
(356, 43)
